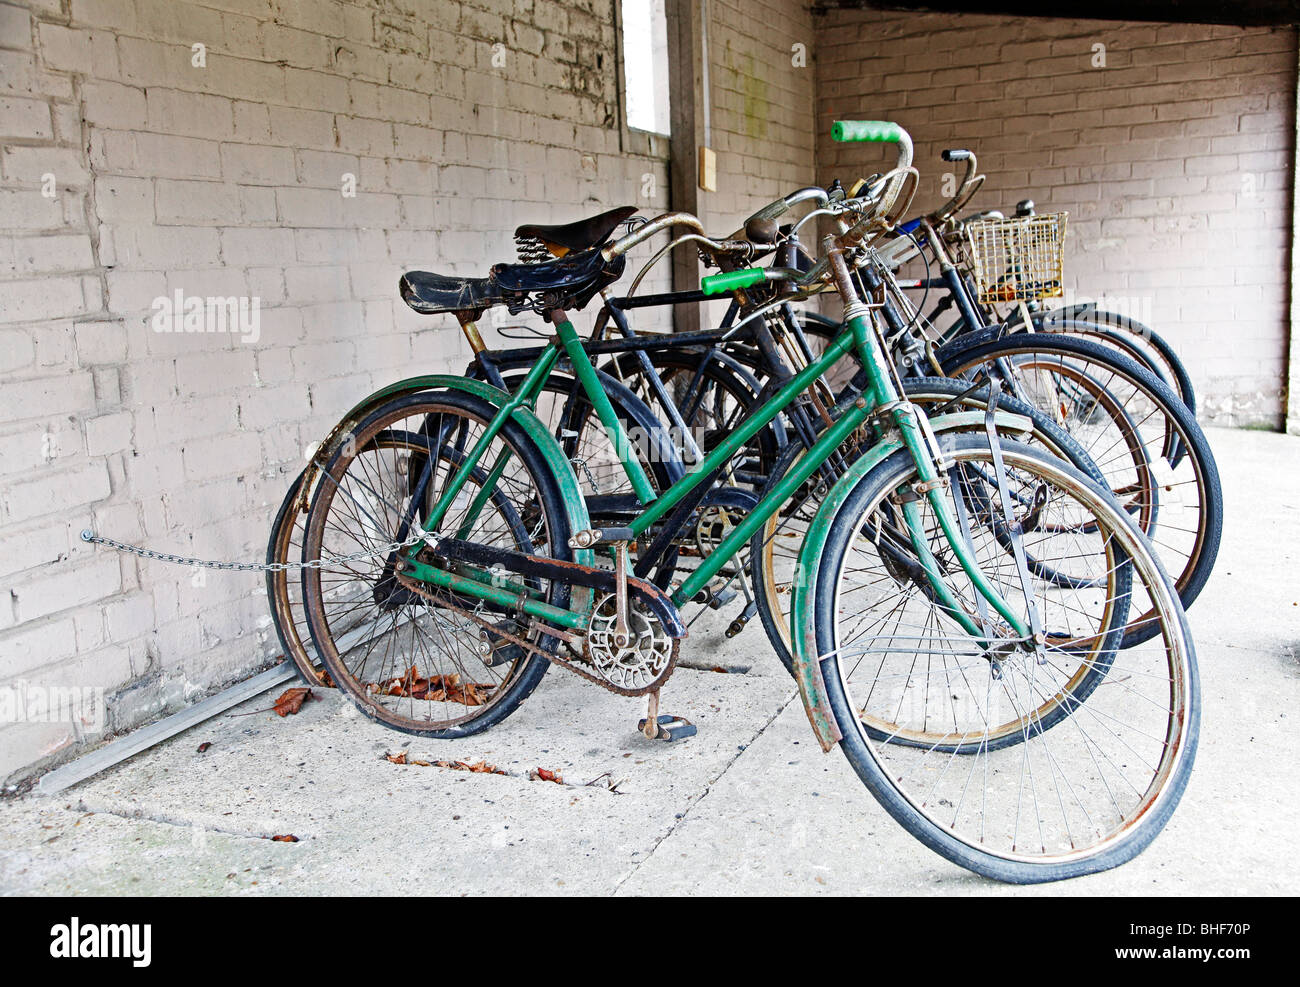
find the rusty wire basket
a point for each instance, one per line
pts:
(1017, 259)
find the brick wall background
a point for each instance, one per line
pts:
(459, 121)
(1174, 161)
(761, 89)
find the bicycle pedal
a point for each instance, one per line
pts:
(670, 728)
(738, 625)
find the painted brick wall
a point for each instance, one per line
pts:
(761, 86)
(457, 120)
(1174, 161)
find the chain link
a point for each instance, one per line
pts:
(147, 553)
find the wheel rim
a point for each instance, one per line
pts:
(1168, 501)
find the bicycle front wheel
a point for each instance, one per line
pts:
(1056, 763)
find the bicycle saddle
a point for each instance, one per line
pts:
(574, 237)
(566, 282)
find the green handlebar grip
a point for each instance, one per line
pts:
(865, 130)
(716, 284)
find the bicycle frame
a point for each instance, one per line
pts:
(881, 396)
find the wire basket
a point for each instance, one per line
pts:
(1018, 259)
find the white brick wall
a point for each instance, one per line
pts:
(763, 126)
(225, 180)
(1174, 161)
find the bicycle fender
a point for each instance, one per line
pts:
(574, 503)
(807, 666)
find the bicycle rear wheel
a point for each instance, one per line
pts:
(1156, 350)
(1142, 437)
(284, 590)
(415, 657)
(1056, 765)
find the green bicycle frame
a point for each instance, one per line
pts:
(881, 392)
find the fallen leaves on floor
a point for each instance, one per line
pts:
(290, 701)
(478, 767)
(284, 838)
(436, 688)
(204, 746)
(541, 774)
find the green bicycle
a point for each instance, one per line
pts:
(1046, 751)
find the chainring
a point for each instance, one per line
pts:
(640, 667)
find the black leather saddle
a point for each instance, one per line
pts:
(579, 236)
(567, 282)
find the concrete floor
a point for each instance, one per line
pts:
(751, 805)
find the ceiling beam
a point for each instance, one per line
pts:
(1254, 13)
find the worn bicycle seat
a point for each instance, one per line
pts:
(579, 236)
(429, 293)
(566, 282)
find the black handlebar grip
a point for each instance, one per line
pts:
(955, 154)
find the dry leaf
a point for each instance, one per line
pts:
(291, 701)
(478, 767)
(204, 746)
(285, 838)
(541, 774)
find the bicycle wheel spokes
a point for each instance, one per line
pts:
(412, 651)
(937, 675)
(1142, 443)
(1037, 756)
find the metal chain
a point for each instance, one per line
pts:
(147, 553)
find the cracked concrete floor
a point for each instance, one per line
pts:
(750, 805)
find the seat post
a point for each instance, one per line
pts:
(469, 326)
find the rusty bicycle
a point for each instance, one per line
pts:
(987, 707)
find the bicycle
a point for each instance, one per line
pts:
(1143, 437)
(500, 577)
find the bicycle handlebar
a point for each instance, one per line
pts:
(881, 131)
(970, 184)
(784, 204)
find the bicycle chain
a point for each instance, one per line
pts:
(90, 537)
